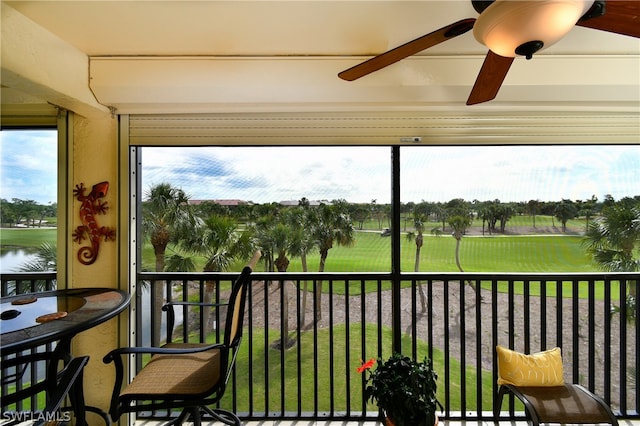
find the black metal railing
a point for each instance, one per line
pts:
(27, 282)
(454, 319)
(18, 377)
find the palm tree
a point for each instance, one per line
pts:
(533, 207)
(263, 229)
(589, 209)
(46, 259)
(329, 225)
(280, 236)
(418, 222)
(166, 218)
(221, 242)
(179, 262)
(564, 211)
(612, 238)
(505, 212)
(286, 239)
(299, 219)
(459, 224)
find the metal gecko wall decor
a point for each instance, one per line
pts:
(91, 206)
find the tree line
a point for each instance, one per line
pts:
(222, 234)
(494, 214)
(27, 213)
(180, 231)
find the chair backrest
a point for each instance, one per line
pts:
(235, 309)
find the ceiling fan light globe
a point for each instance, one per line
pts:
(507, 24)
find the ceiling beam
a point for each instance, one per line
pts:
(39, 64)
(255, 84)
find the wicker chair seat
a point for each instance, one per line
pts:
(191, 377)
(177, 375)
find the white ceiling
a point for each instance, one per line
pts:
(273, 55)
(274, 27)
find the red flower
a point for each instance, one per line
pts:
(367, 365)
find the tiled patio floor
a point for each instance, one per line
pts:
(330, 423)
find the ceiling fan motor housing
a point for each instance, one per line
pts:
(481, 5)
(529, 48)
(524, 27)
(510, 28)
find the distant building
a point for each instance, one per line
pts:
(227, 203)
(313, 203)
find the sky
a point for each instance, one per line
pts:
(362, 174)
(356, 174)
(28, 165)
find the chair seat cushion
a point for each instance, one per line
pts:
(537, 369)
(183, 374)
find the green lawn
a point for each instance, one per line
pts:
(325, 368)
(542, 222)
(498, 253)
(331, 364)
(372, 253)
(26, 237)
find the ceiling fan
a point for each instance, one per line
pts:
(514, 27)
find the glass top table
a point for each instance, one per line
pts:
(33, 319)
(28, 321)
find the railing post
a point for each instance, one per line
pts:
(395, 251)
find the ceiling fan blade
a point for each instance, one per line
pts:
(620, 17)
(411, 48)
(492, 74)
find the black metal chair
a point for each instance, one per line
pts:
(187, 376)
(567, 404)
(537, 381)
(59, 385)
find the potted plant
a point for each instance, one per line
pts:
(404, 389)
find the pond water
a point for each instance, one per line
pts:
(12, 259)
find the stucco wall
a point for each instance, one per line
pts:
(94, 159)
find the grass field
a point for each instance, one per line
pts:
(372, 253)
(541, 222)
(489, 253)
(324, 369)
(26, 237)
(331, 364)
(477, 254)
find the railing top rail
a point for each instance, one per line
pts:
(388, 275)
(29, 275)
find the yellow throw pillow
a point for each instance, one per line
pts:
(538, 369)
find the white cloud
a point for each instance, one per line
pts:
(360, 174)
(357, 174)
(271, 174)
(29, 165)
